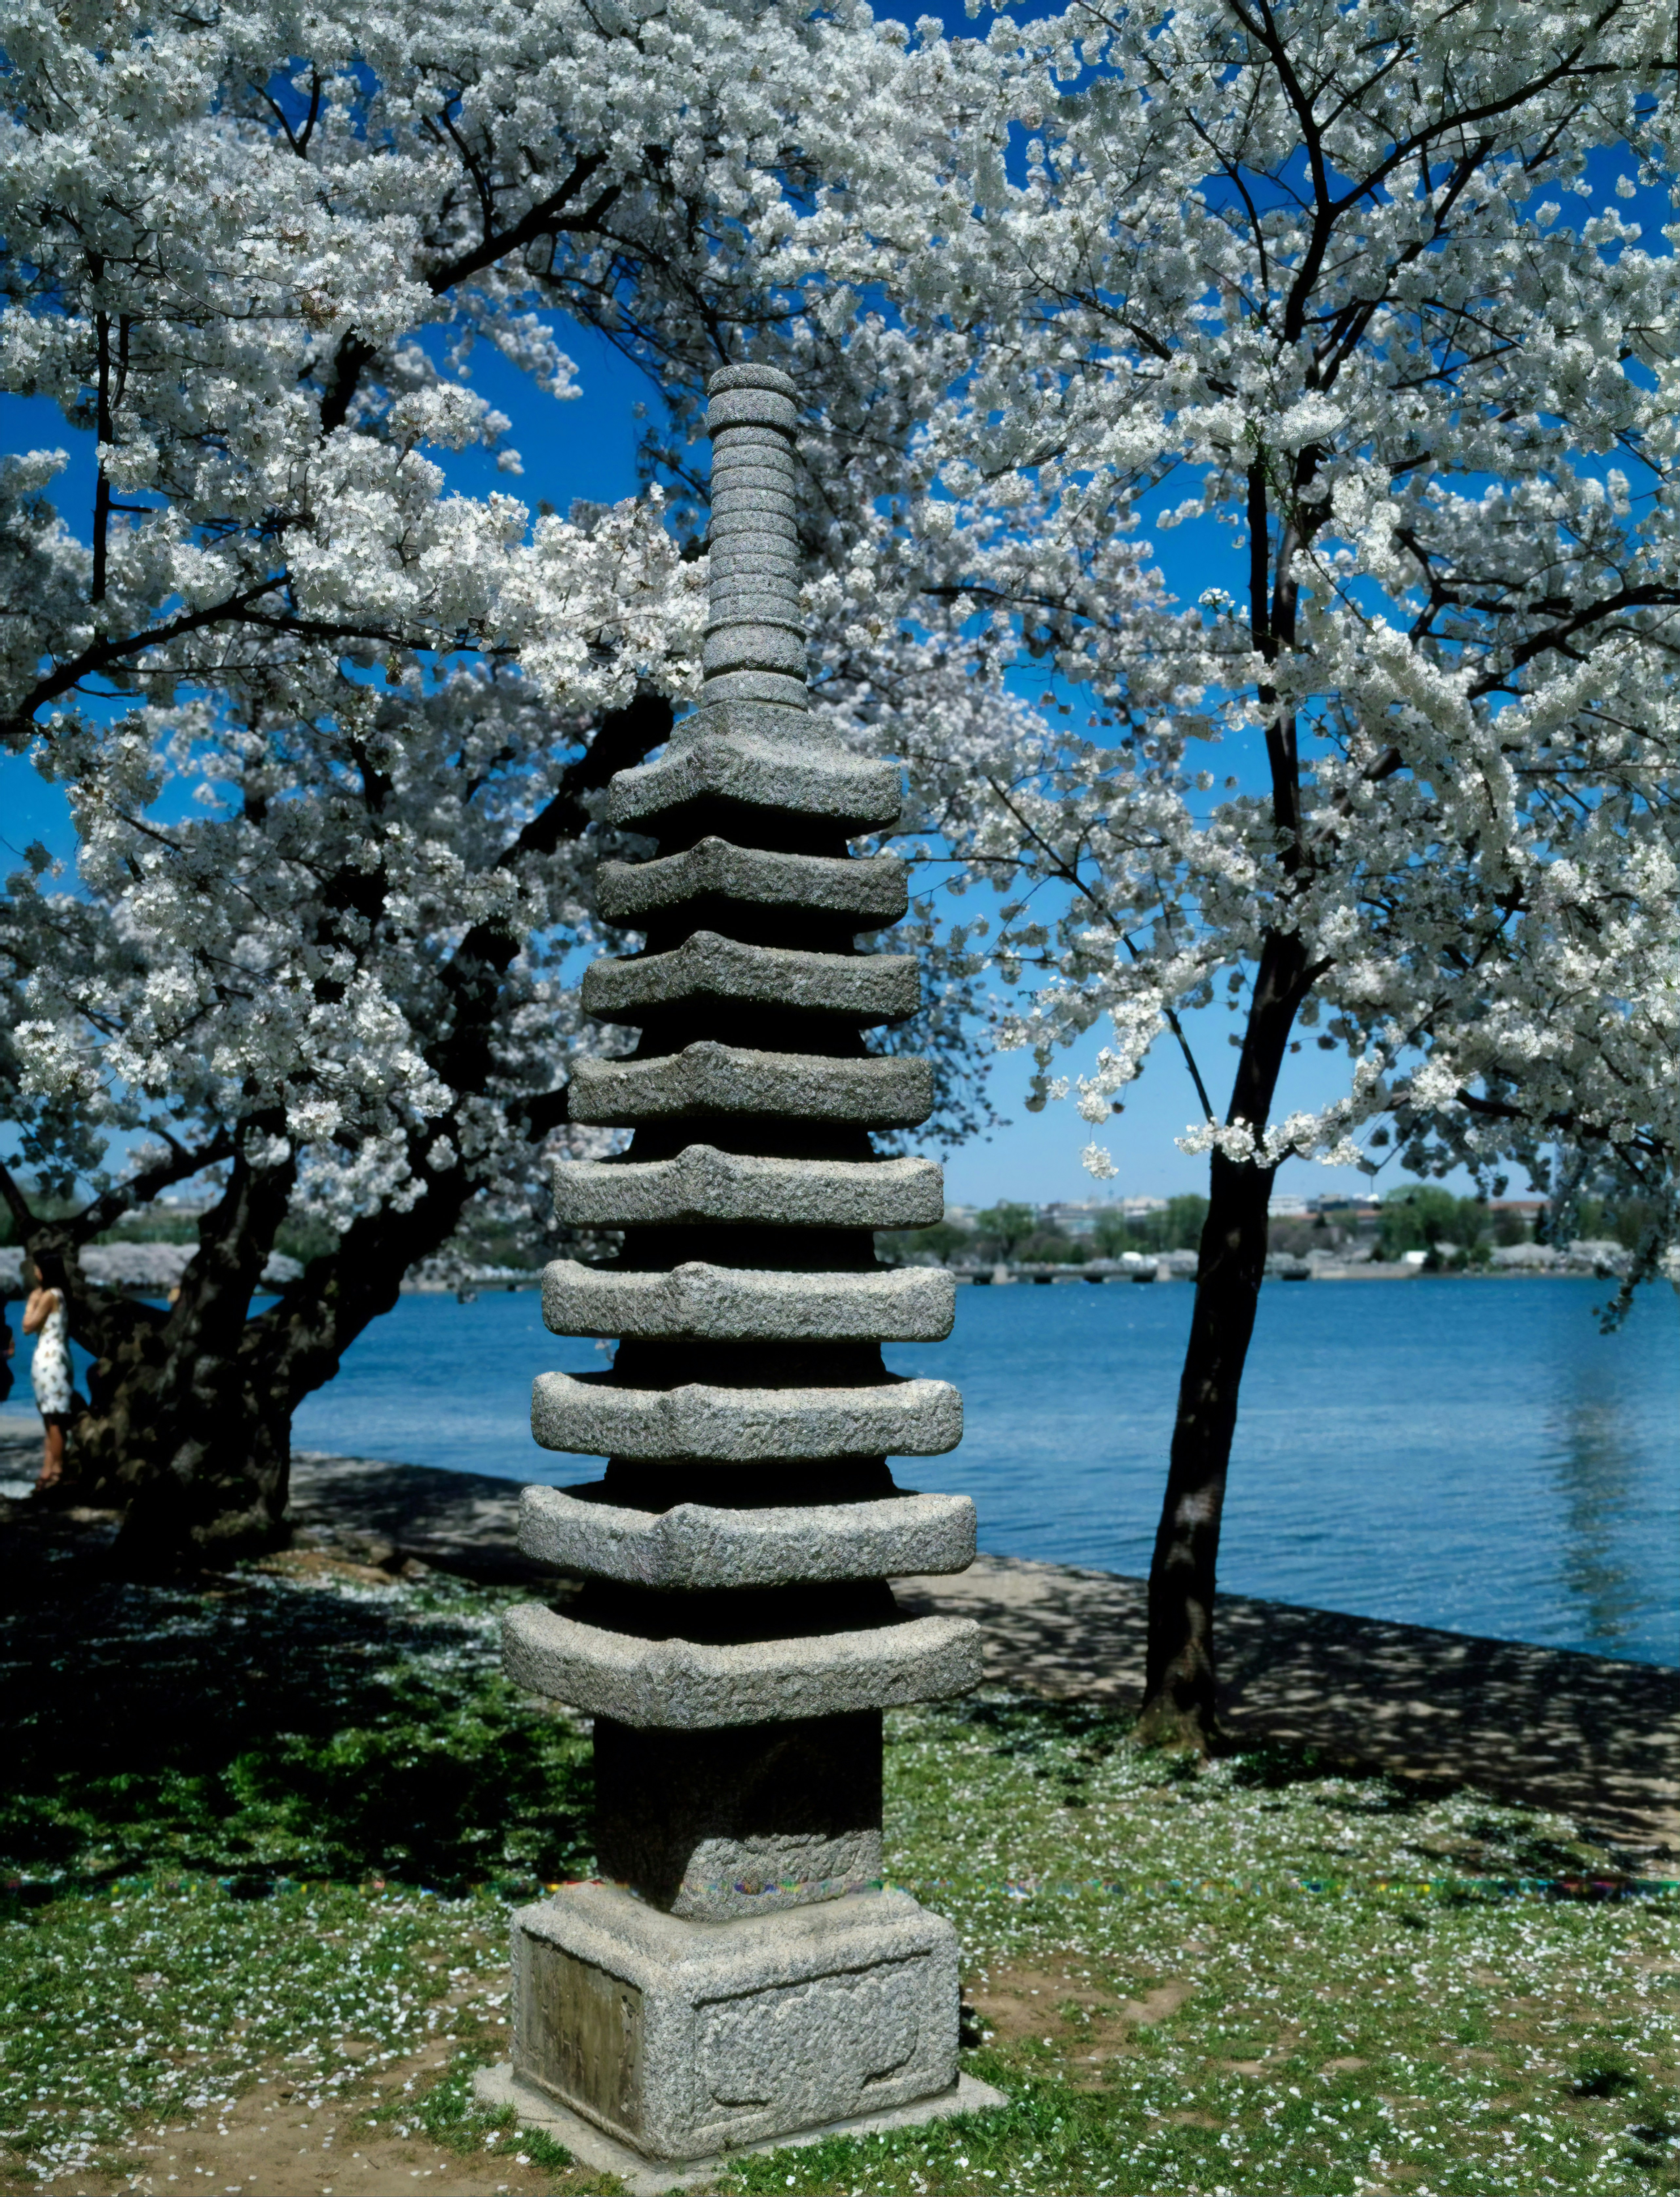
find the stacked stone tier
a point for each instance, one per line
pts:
(707, 967)
(745, 756)
(707, 1079)
(702, 1546)
(590, 1414)
(733, 1304)
(756, 884)
(676, 1683)
(703, 1183)
(735, 1636)
(747, 1203)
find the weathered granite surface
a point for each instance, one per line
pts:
(880, 987)
(585, 1413)
(704, 1184)
(681, 2037)
(705, 1544)
(706, 1078)
(873, 888)
(772, 1816)
(694, 1685)
(903, 1304)
(740, 1980)
(757, 755)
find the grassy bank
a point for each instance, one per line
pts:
(260, 1844)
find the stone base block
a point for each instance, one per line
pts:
(685, 2038)
(593, 2146)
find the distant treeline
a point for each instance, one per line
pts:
(1015, 1233)
(1452, 1232)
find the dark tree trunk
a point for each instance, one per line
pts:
(203, 1474)
(1179, 1705)
(188, 1420)
(189, 1426)
(1179, 1678)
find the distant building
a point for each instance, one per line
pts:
(1074, 1217)
(1337, 1204)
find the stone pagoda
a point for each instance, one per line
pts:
(739, 1973)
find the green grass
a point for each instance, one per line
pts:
(271, 1835)
(294, 1724)
(153, 2001)
(1375, 1987)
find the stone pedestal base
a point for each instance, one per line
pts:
(593, 2146)
(683, 2039)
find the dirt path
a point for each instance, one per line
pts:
(274, 2142)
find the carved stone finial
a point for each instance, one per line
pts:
(741, 1975)
(755, 647)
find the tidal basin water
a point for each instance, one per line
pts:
(1469, 1454)
(1463, 1453)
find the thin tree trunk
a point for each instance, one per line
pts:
(1179, 1706)
(1179, 1688)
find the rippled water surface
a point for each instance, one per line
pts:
(1470, 1454)
(1461, 1453)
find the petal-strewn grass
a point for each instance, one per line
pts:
(269, 1835)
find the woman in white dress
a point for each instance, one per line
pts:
(44, 1317)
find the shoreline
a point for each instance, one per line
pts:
(1589, 1736)
(971, 1278)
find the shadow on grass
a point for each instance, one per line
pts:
(259, 1729)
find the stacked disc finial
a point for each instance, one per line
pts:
(737, 1972)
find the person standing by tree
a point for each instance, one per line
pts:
(45, 1316)
(336, 846)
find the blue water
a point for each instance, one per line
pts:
(1468, 1454)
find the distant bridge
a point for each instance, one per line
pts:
(1172, 1267)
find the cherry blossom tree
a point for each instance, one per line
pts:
(333, 738)
(1356, 283)
(1307, 262)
